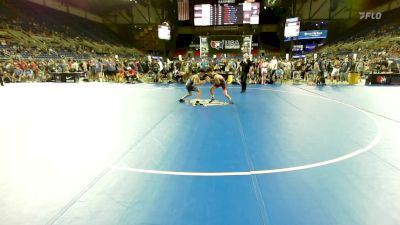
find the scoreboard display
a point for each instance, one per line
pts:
(292, 27)
(226, 14)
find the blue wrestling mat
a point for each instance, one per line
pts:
(106, 154)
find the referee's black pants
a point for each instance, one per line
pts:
(1, 80)
(243, 81)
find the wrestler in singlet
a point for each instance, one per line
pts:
(219, 81)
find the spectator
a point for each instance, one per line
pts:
(344, 70)
(360, 67)
(1, 74)
(335, 70)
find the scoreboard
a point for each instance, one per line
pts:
(226, 14)
(292, 27)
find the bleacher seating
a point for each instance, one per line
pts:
(39, 29)
(369, 37)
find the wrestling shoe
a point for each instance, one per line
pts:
(211, 100)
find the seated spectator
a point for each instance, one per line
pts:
(120, 76)
(131, 75)
(17, 74)
(28, 75)
(279, 73)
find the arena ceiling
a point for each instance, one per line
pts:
(104, 6)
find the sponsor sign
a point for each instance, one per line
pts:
(313, 34)
(225, 44)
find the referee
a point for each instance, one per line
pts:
(245, 66)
